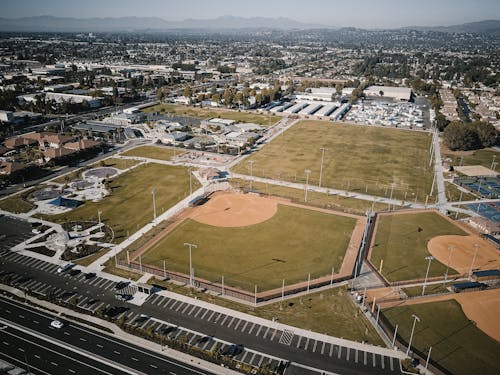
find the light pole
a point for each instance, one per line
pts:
(251, 173)
(308, 172)
(415, 318)
(99, 219)
(430, 259)
(451, 249)
(190, 245)
(154, 203)
(493, 162)
(476, 245)
(190, 182)
(323, 149)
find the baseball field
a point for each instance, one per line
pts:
(366, 159)
(252, 240)
(457, 343)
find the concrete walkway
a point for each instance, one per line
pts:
(118, 333)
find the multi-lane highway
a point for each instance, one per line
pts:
(29, 341)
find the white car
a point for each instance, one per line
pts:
(56, 324)
(64, 267)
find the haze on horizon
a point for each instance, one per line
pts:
(360, 13)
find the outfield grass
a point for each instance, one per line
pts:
(416, 291)
(153, 152)
(206, 113)
(453, 193)
(457, 344)
(358, 158)
(130, 205)
(335, 202)
(401, 241)
(482, 157)
(331, 312)
(288, 246)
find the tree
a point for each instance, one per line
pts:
(188, 91)
(486, 133)
(462, 137)
(441, 121)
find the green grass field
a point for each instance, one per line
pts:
(403, 247)
(153, 152)
(18, 203)
(120, 163)
(457, 344)
(453, 194)
(334, 202)
(130, 205)
(206, 113)
(359, 158)
(288, 246)
(480, 157)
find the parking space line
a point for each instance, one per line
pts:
(314, 346)
(323, 348)
(244, 356)
(298, 342)
(274, 333)
(348, 353)
(251, 359)
(364, 358)
(331, 349)
(374, 359)
(237, 324)
(165, 302)
(198, 312)
(185, 308)
(175, 302)
(340, 352)
(217, 317)
(231, 322)
(154, 299)
(260, 361)
(307, 343)
(225, 318)
(382, 358)
(391, 363)
(182, 304)
(244, 326)
(204, 314)
(109, 287)
(267, 331)
(210, 317)
(257, 333)
(251, 328)
(192, 338)
(356, 356)
(191, 311)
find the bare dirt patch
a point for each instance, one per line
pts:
(235, 210)
(463, 252)
(476, 170)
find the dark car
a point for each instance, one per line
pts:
(74, 272)
(121, 285)
(89, 275)
(113, 311)
(233, 350)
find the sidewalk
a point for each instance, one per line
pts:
(117, 332)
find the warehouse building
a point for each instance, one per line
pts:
(396, 93)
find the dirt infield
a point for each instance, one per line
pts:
(476, 170)
(235, 210)
(461, 259)
(481, 307)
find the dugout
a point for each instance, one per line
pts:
(467, 287)
(486, 275)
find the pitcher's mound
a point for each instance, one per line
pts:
(235, 210)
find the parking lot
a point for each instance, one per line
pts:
(13, 231)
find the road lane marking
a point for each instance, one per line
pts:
(134, 359)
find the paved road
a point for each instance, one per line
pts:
(75, 347)
(261, 343)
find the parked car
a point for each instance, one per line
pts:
(56, 324)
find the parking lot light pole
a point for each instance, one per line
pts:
(308, 172)
(430, 259)
(415, 318)
(323, 149)
(427, 361)
(190, 245)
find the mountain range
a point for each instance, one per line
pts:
(130, 24)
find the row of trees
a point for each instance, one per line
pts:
(471, 136)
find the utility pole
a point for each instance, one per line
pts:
(476, 245)
(190, 182)
(154, 204)
(251, 173)
(430, 259)
(308, 172)
(450, 249)
(323, 149)
(415, 318)
(190, 245)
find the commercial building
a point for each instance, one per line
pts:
(392, 92)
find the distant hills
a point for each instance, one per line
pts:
(130, 24)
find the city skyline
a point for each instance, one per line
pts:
(363, 13)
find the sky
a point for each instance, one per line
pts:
(340, 13)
